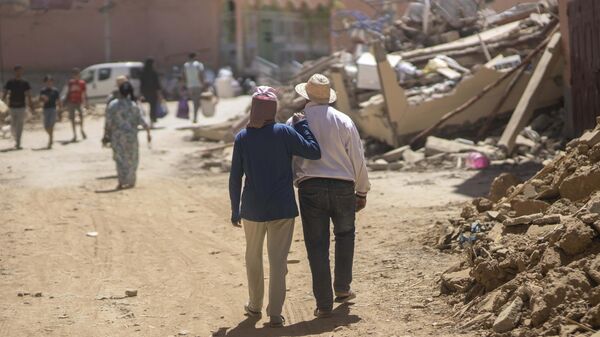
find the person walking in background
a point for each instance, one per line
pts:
(333, 188)
(18, 92)
(51, 98)
(115, 95)
(123, 116)
(193, 73)
(76, 101)
(263, 153)
(151, 89)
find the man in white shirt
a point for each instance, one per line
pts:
(193, 74)
(332, 188)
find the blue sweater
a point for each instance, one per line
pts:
(265, 156)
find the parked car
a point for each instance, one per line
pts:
(101, 79)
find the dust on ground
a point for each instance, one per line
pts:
(170, 240)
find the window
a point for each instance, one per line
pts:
(135, 73)
(104, 74)
(88, 76)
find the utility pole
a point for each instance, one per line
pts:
(239, 34)
(1, 56)
(108, 5)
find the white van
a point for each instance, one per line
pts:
(101, 79)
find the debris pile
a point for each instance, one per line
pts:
(539, 142)
(453, 90)
(454, 87)
(532, 266)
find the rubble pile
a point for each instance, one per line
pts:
(532, 266)
(539, 142)
(393, 97)
(434, 22)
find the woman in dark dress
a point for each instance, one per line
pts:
(150, 88)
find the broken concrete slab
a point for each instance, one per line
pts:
(495, 215)
(528, 206)
(509, 317)
(548, 220)
(590, 138)
(378, 165)
(535, 231)
(455, 282)
(580, 185)
(529, 191)
(522, 220)
(500, 186)
(578, 236)
(395, 155)
(413, 157)
(435, 145)
(449, 73)
(593, 205)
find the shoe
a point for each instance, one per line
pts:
(321, 313)
(277, 321)
(251, 313)
(343, 297)
(83, 135)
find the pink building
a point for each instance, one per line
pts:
(80, 33)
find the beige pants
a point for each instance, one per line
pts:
(279, 239)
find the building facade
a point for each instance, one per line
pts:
(56, 35)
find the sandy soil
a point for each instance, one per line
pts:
(170, 240)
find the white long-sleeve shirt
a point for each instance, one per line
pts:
(342, 154)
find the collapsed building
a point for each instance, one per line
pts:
(467, 86)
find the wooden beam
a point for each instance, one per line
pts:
(524, 109)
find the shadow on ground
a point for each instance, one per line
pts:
(111, 190)
(10, 149)
(247, 328)
(479, 184)
(107, 177)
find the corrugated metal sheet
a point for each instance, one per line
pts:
(584, 31)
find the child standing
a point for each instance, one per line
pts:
(51, 98)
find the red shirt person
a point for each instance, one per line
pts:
(76, 100)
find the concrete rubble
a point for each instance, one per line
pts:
(531, 264)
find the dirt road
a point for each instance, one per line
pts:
(170, 240)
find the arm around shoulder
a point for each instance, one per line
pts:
(303, 142)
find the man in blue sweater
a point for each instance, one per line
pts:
(263, 152)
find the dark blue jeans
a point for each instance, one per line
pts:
(322, 200)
